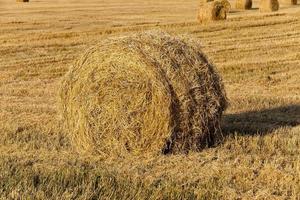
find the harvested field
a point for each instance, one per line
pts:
(257, 55)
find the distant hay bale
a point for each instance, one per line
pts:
(213, 10)
(268, 5)
(243, 4)
(147, 93)
(289, 2)
(226, 4)
(22, 0)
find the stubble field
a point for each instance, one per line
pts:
(257, 54)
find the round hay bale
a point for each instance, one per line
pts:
(22, 0)
(289, 2)
(243, 4)
(147, 93)
(226, 4)
(268, 5)
(214, 10)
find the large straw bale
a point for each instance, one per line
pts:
(146, 93)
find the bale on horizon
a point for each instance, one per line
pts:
(289, 2)
(243, 4)
(148, 93)
(22, 0)
(213, 10)
(226, 4)
(268, 5)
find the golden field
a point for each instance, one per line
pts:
(257, 54)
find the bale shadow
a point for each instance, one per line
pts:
(261, 122)
(240, 10)
(235, 11)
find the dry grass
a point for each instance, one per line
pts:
(269, 5)
(147, 93)
(259, 158)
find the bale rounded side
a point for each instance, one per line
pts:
(147, 93)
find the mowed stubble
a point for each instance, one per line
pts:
(257, 54)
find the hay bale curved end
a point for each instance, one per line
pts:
(214, 10)
(268, 5)
(22, 0)
(243, 4)
(147, 93)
